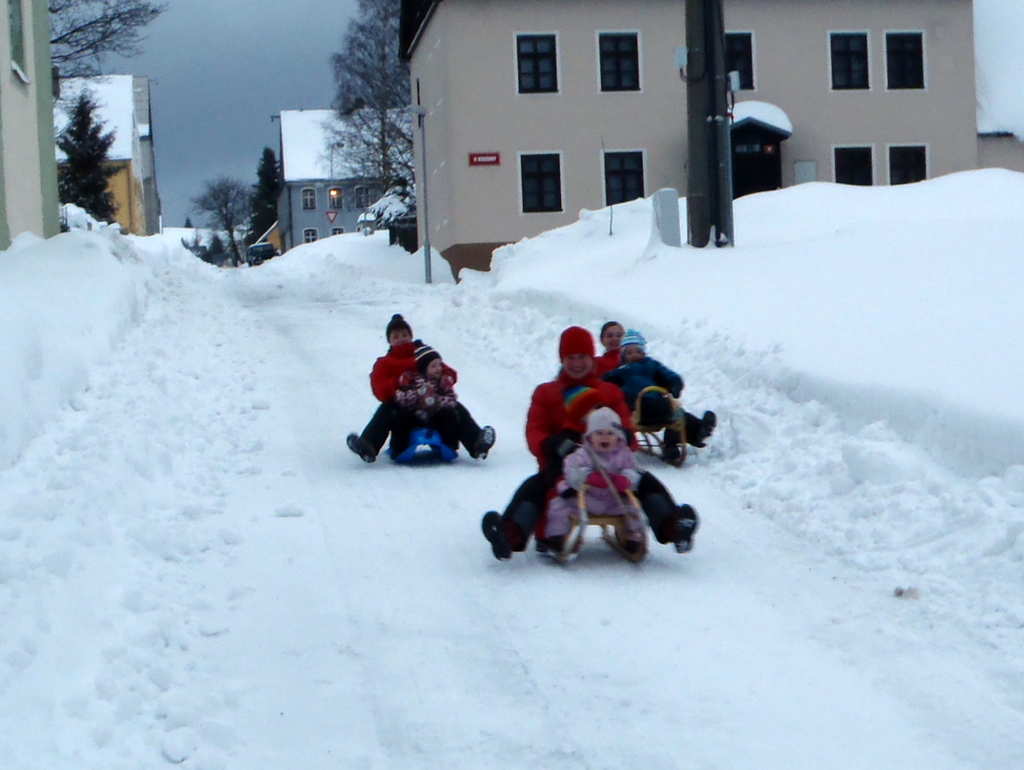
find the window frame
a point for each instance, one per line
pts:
(338, 199)
(835, 165)
(302, 197)
(923, 146)
(305, 234)
(622, 33)
(17, 40)
(753, 76)
(520, 157)
(515, 63)
(361, 193)
(923, 61)
(337, 231)
(866, 34)
(604, 172)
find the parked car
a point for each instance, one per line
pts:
(260, 252)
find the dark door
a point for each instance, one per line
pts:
(756, 162)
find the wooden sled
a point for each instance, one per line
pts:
(649, 437)
(613, 531)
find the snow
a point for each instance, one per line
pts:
(999, 60)
(116, 108)
(308, 146)
(763, 112)
(195, 571)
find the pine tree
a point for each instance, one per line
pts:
(188, 222)
(265, 192)
(82, 177)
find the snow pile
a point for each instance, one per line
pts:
(77, 218)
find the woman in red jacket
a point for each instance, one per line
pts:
(554, 426)
(384, 376)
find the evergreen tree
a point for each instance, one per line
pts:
(188, 222)
(82, 177)
(264, 197)
(216, 249)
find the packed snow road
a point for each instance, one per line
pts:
(203, 574)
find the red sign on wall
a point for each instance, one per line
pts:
(485, 159)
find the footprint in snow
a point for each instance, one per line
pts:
(289, 511)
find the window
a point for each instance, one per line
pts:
(310, 234)
(308, 198)
(907, 164)
(904, 60)
(853, 165)
(623, 177)
(542, 182)
(17, 36)
(337, 230)
(739, 56)
(537, 62)
(620, 61)
(849, 60)
(333, 199)
(362, 197)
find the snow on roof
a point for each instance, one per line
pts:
(115, 103)
(765, 113)
(308, 148)
(999, 62)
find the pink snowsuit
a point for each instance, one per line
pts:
(601, 501)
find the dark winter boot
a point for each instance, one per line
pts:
(553, 544)
(687, 525)
(673, 454)
(708, 423)
(503, 535)
(361, 447)
(484, 442)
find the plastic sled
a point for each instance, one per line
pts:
(613, 531)
(425, 446)
(649, 436)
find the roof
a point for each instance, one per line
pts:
(115, 102)
(762, 114)
(308, 147)
(415, 14)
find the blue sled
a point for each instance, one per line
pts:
(425, 445)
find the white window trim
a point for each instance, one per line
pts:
(927, 158)
(639, 59)
(314, 230)
(302, 198)
(753, 56)
(340, 200)
(924, 61)
(604, 151)
(515, 64)
(20, 73)
(828, 59)
(855, 146)
(519, 180)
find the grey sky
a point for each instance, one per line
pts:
(220, 69)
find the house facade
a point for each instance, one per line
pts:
(28, 173)
(581, 104)
(321, 193)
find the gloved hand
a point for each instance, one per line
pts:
(558, 445)
(676, 392)
(621, 482)
(595, 479)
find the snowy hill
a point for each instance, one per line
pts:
(195, 571)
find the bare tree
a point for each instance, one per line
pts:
(372, 92)
(82, 31)
(227, 202)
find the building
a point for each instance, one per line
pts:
(321, 192)
(28, 172)
(581, 103)
(123, 107)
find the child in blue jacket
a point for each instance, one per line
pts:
(638, 371)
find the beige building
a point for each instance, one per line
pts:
(28, 175)
(535, 110)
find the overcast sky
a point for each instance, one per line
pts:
(220, 69)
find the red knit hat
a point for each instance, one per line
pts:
(575, 339)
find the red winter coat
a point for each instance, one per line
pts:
(607, 361)
(389, 367)
(547, 417)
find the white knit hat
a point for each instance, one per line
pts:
(602, 418)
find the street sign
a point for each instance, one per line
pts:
(332, 215)
(485, 159)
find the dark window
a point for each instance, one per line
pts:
(739, 56)
(310, 234)
(538, 72)
(620, 62)
(362, 197)
(623, 176)
(308, 198)
(849, 60)
(904, 59)
(853, 165)
(337, 230)
(334, 198)
(542, 182)
(907, 164)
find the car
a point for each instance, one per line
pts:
(260, 252)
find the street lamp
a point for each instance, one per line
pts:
(421, 189)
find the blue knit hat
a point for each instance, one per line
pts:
(633, 337)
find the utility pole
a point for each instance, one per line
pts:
(709, 145)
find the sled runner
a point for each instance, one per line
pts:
(425, 446)
(649, 435)
(613, 531)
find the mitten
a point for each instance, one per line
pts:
(595, 479)
(621, 482)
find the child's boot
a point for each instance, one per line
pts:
(484, 442)
(361, 447)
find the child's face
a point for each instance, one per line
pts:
(632, 353)
(611, 337)
(604, 439)
(434, 369)
(399, 337)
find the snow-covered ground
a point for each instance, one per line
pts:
(195, 571)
